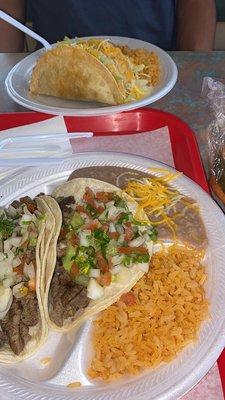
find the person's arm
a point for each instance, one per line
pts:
(12, 39)
(196, 24)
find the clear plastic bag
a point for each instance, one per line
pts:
(214, 91)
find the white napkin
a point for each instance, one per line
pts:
(51, 125)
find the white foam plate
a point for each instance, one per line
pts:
(17, 85)
(69, 352)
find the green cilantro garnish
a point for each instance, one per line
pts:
(6, 227)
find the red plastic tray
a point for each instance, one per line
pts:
(184, 145)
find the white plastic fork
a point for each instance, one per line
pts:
(24, 29)
(38, 149)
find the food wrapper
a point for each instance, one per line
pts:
(214, 92)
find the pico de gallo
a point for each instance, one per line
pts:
(100, 240)
(19, 230)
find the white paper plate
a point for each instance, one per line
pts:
(30, 380)
(17, 84)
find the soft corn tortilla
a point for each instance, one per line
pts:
(40, 331)
(72, 73)
(113, 292)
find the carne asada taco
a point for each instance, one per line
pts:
(91, 70)
(98, 253)
(22, 325)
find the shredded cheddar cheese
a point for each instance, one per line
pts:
(74, 385)
(154, 196)
(46, 360)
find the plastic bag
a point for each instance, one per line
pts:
(214, 91)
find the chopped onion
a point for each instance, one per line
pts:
(121, 238)
(6, 268)
(114, 211)
(142, 229)
(87, 232)
(26, 218)
(10, 255)
(117, 259)
(2, 256)
(143, 266)
(150, 245)
(8, 243)
(29, 270)
(12, 211)
(16, 261)
(84, 240)
(123, 276)
(109, 204)
(25, 210)
(94, 290)
(62, 245)
(112, 227)
(115, 270)
(103, 215)
(136, 242)
(120, 229)
(17, 292)
(6, 299)
(132, 207)
(7, 282)
(94, 273)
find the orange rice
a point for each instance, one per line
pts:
(151, 71)
(169, 310)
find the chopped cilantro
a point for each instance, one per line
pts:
(18, 251)
(124, 218)
(6, 227)
(153, 234)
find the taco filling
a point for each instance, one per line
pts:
(99, 241)
(19, 310)
(131, 82)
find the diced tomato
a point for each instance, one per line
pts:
(89, 197)
(102, 263)
(63, 233)
(92, 225)
(80, 208)
(106, 279)
(113, 235)
(32, 285)
(74, 271)
(19, 269)
(74, 239)
(131, 250)
(103, 196)
(129, 234)
(129, 298)
(100, 209)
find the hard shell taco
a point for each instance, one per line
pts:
(91, 70)
(98, 251)
(22, 325)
